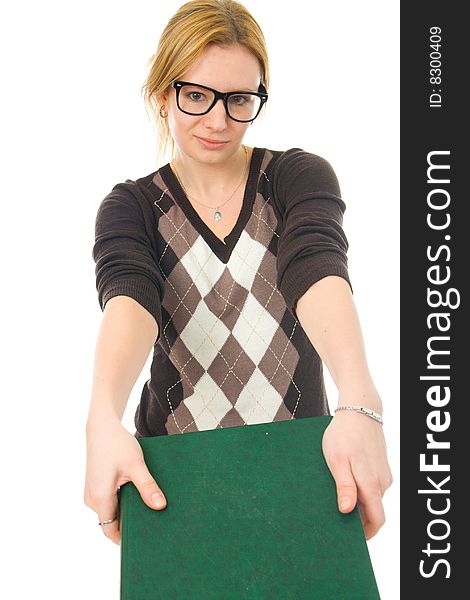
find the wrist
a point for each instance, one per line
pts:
(362, 410)
(367, 397)
(101, 417)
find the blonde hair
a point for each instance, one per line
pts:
(195, 25)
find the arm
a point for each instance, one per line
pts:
(125, 338)
(314, 280)
(130, 290)
(114, 456)
(353, 444)
(334, 330)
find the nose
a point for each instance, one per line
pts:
(216, 118)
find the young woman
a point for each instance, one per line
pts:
(230, 262)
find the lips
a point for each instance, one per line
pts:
(212, 141)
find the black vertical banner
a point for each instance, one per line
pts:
(435, 359)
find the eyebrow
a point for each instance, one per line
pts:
(235, 89)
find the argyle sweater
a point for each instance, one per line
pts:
(230, 350)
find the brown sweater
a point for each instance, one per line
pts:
(230, 350)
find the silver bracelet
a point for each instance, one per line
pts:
(365, 411)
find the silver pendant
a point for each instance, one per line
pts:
(217, 215)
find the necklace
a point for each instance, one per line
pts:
(217, 214)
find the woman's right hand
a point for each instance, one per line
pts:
(115, 457)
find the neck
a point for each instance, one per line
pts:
(203, 179)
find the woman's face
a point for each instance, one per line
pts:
(224, 68)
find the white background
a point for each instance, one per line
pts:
(74, 124)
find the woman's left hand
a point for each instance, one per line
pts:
(355, 452)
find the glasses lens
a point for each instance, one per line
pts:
(243, 107)
(195, 100)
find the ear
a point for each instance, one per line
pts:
(162, 100)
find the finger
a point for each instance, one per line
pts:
(388, 481)
(108, 510)
(370, 489)
(372, 513)
(364, 518)
(150, 492)
(345, 485)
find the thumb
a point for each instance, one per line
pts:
(151, 494)
(345, 485)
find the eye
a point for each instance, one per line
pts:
(195, 96)
(240, 100)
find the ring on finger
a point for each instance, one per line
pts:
(108, 521)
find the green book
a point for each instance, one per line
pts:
(252, 514)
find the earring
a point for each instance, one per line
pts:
(165, 115)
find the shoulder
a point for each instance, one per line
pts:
(298, 155)
(296, 171)
(131, 197)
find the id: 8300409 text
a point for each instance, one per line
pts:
(435, 67)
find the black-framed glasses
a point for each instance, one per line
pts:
(196, 99)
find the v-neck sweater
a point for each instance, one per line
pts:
(230, 350)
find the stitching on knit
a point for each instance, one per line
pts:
(253, 330)
(181, 368)
(208, 335)
(299, 393)
(206, 405)
(274, 288)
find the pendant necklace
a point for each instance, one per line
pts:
(217, 214)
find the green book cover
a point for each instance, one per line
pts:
(252, 514)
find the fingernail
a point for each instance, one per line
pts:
(344, 503)
(158, 499)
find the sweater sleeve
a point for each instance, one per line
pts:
(126, 260)
(312, 242)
